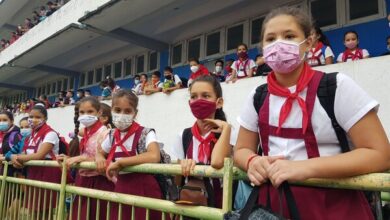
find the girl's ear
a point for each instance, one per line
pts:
(219, 103)
(136, 113)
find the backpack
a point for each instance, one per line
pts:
(167, 185)
(326, 94)
(184, 82)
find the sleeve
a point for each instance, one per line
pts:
(248, 117)
(252, 64)
(16, 149)
(233, 66)
(328, 52)
(160, 85)
(365, 53)
(106, 145)
(233, 136)
(177, 79)
(340, 57)
(176, 151)
(150, 138)
(52, 138)
(352, 103)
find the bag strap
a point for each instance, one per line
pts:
(259, 97)
(186, 140)
(326, 94)
(250, 204)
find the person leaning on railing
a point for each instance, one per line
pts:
(298, 141)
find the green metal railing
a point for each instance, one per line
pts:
(13, 196)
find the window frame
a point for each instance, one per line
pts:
(201, 47)
(104, 71)
(113, 69)
(145, 63)
(256, 45)
(95, 79)
(182, 54)
(132, 66)
(381, 13)
(221, 43)
(339, 18)
(158, 61)
(245, 35)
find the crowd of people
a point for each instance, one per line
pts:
(37, 16)
(298, 142)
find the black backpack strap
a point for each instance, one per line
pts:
(186, 140)
(259, 97)
(326, 94)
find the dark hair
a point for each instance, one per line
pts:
(106, 112)
(219, 61)
(323, 37)
(74, 144)
(169, 69)
(41, 109)
(301, 17)
(23, 119)
(135, 76)
(156, 73)
(257, 56)
(351, 32)
(388, 37)
(44, 96)
(131, 97)
(87, 90)
(193, 60)
(80, 91)
(71, 91)
(145, 75)
(8, 114)
(104, 83)
(110, 82)
(230, 60)
(242, 44)
(219, 113)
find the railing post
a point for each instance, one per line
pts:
(2, 190)
(61, 206)
(227, 198)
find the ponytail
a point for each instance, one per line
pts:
(74, 149)
(220, 114)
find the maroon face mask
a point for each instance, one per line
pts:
(243, 55)
(202, 108)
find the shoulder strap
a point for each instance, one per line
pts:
(326, 94)
(186, 140)
(140, 139)
(259, 97)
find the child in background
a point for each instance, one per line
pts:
(156, 85)
(219, 71)
(139, 89)
(243, 67)
(197, 70)
(352, 51)
(320, 53)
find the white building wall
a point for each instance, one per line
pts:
(170, 114)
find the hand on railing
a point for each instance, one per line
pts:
(257, 168)
(187, 166)
(113, 171)
(15, 162)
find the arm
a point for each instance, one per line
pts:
(329, 60)
(371, 144)
(222, 148)
(250, 72)
(43, 150)
(149, 91)
(16, 149)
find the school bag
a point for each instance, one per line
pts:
(167, 185)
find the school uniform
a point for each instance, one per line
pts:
(243, 67)
(138, 184)
(42, 135)
(8, 140)
(317, 55)
(201, 72)
(351, 104)
(349, 55)
(91, 178)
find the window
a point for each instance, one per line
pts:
(39, 92)
(53, 88)
(48, 89)
(71, 83)
(140, 64)
(90, 77)
(362, 8)
(324, 17)
(98, 75)
(82, 80)
(177, 54)
(194, 48)
(59, 86)
(213, 43)
(128, 71)
(153, 61)
(66, 84)
(235, 36)
(256, 30)
(107, 71)
(43, 90)
(118, 70)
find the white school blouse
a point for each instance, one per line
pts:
(52, 138)
(351, 104)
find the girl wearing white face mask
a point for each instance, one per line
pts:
(197, 70)
(87, 112)
(352, 51)
(122, 148)
(294, 125)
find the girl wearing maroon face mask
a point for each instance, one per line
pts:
(243, 67)
(207, 141)
(352, 51)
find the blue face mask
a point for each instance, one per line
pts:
(25, 132)
(4, 126)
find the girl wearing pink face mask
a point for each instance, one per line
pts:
(352, 51)
(297, 129)
(208, 140)
(243, 67)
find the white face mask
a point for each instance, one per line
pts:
(194, 68)
(218, 69)
(87, 120)
(122, 121)
(136, 81)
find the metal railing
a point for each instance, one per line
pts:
(15, 193)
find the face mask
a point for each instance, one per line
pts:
(194, 68)
(283, 56)
(351, 45)
(34, 124)
(168, 77)
(4, 126)
(87, 120)
(136, 81)
(78, 95)
(202, 108)
(242, 55)
(122, 121)
(218, 69)
(25, 132)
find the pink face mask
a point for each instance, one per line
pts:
(351, 44)
(283, 56)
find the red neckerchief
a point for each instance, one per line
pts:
(119, 142)
(354, 56)
(275, 89)
(205, 145)
(87, 134)
(201, 71)
(244, 63)
(316, 49)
